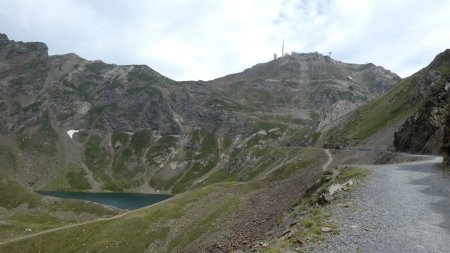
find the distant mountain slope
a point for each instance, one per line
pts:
(305, 85)
(71, 124)
(410, 117)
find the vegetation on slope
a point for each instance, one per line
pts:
(423, 132)
(203, 218)
(301, 227)
(22, 210)
(382, 112)
(420, 100)
(133, 232)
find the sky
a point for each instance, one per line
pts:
(207, 39)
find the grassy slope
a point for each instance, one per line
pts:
(174, 223)
(130, 233)
(382, 112)
(22, 208)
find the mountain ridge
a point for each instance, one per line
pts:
(137, 130)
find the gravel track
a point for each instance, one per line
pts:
(397, 208)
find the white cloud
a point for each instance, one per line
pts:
(207, 39)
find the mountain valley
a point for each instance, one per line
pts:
(249, 156)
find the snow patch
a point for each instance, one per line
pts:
(349, 77)
(72, 132)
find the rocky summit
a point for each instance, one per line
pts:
(72, 124)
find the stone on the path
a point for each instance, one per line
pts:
(326, 229)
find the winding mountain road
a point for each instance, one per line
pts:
(399, 208)
(329, 161)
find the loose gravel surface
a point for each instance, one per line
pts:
(397, 208)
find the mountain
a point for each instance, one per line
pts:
(410, 117)
(71, 124)
(304, 86)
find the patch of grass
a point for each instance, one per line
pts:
(349, 173)
(82, 92)
(224, 104)
(265, 125)
(140, 140)
(81, 136)
(96, 157)
(202, 226)
(119, 137)
(111, 186)
(33, 106)
(43, 140)
(12, 194)
(100, 109)
(9, 160)
(306, 157)
(127, 159)
(115, 83)
(206, 159)
(316, 136)
(312, 222)
(313, 217)
(133, 232)
(30, 77)
(96, 67)
(136, 89)
(21, 221)
(161, 147)
(78, 180)
(383, 111)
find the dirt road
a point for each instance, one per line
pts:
(399, 208)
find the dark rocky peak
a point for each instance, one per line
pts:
(3, 38)
(441, 59)
(432, 78)
(12, 52)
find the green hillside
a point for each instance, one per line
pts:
(24, 211)
(420, 100)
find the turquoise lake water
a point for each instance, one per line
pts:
(121, 200)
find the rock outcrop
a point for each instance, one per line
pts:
(423, 131)
(446, 141)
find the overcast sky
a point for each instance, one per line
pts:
(206, 39)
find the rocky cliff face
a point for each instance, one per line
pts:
(72, 124)
(423, 131)
(446, 141)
